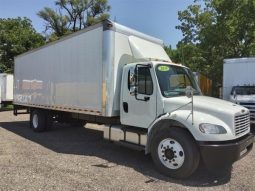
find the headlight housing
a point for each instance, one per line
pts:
(208, 128)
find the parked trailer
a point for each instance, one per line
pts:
(6, 89)
(239, 83)
(113, 75)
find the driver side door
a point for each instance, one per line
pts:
(140, 109)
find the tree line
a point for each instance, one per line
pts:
(212, 31)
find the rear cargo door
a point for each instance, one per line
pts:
(138, 110)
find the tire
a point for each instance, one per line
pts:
(175, 152)
(38, 120)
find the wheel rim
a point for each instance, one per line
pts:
(35, 121)
(171, 153)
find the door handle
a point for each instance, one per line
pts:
(125, 106)
(146, 98)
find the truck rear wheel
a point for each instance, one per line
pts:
(38, 120)
(175, 152)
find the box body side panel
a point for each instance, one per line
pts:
(67, 74)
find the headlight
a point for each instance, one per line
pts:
(212, 129)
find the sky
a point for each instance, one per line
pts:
(157, 18)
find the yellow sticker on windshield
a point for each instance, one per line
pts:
(163, 68)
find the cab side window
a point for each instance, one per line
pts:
(144, 82)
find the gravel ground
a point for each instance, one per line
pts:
(66, 158)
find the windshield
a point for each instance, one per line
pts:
(243, 90)
(173, 80)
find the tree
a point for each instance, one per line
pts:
(187, 54)
(56, 22)
(217, 29)
(74, 15)
(16, 36)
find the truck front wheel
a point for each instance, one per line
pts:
(175, 152)
(38, 120)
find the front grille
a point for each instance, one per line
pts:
(251, 107)
(242, 123)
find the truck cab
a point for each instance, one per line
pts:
(180, 128)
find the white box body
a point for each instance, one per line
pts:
(82, 72)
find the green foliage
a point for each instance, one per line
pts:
(187, 54)
(73, 15)
(55, 21)
(214, 30)
(16, 36)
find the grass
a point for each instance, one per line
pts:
(6, 107)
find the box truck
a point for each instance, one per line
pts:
(112, 75)
(6, 89)
(239, 83)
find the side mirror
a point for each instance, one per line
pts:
(189, 91)
(133, 91)
(234, 94)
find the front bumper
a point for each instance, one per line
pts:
(220, 154)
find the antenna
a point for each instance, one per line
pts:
(189, 93)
